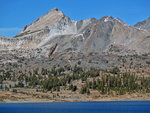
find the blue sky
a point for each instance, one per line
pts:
(15, 14)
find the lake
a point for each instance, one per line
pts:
(77, 107)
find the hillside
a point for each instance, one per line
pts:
(60, 59)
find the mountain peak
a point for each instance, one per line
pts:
(145, 24)
(50, 18)
(55, 9)
(111, 19)
(107, 18)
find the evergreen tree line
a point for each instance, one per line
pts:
(120, 84)
(53, 79)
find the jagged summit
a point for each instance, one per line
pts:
(90, 35)
(143, 24)
(55, 9)
(107, 18)
(47, 20)
(114, 20)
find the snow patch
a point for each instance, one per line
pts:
(75, 23)
(140, 29)
(108, 19)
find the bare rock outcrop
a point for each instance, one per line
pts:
(83, 36)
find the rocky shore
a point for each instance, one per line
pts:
(9, 97)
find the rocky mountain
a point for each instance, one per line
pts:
(144, 24)
(55, 32)
(56, 58)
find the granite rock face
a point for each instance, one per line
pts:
(107, 34)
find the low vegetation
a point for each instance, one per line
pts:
(109, 82)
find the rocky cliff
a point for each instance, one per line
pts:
(107, 34)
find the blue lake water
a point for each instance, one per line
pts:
(77, 107)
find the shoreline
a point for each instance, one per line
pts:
(36, 97)
(32, 100)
